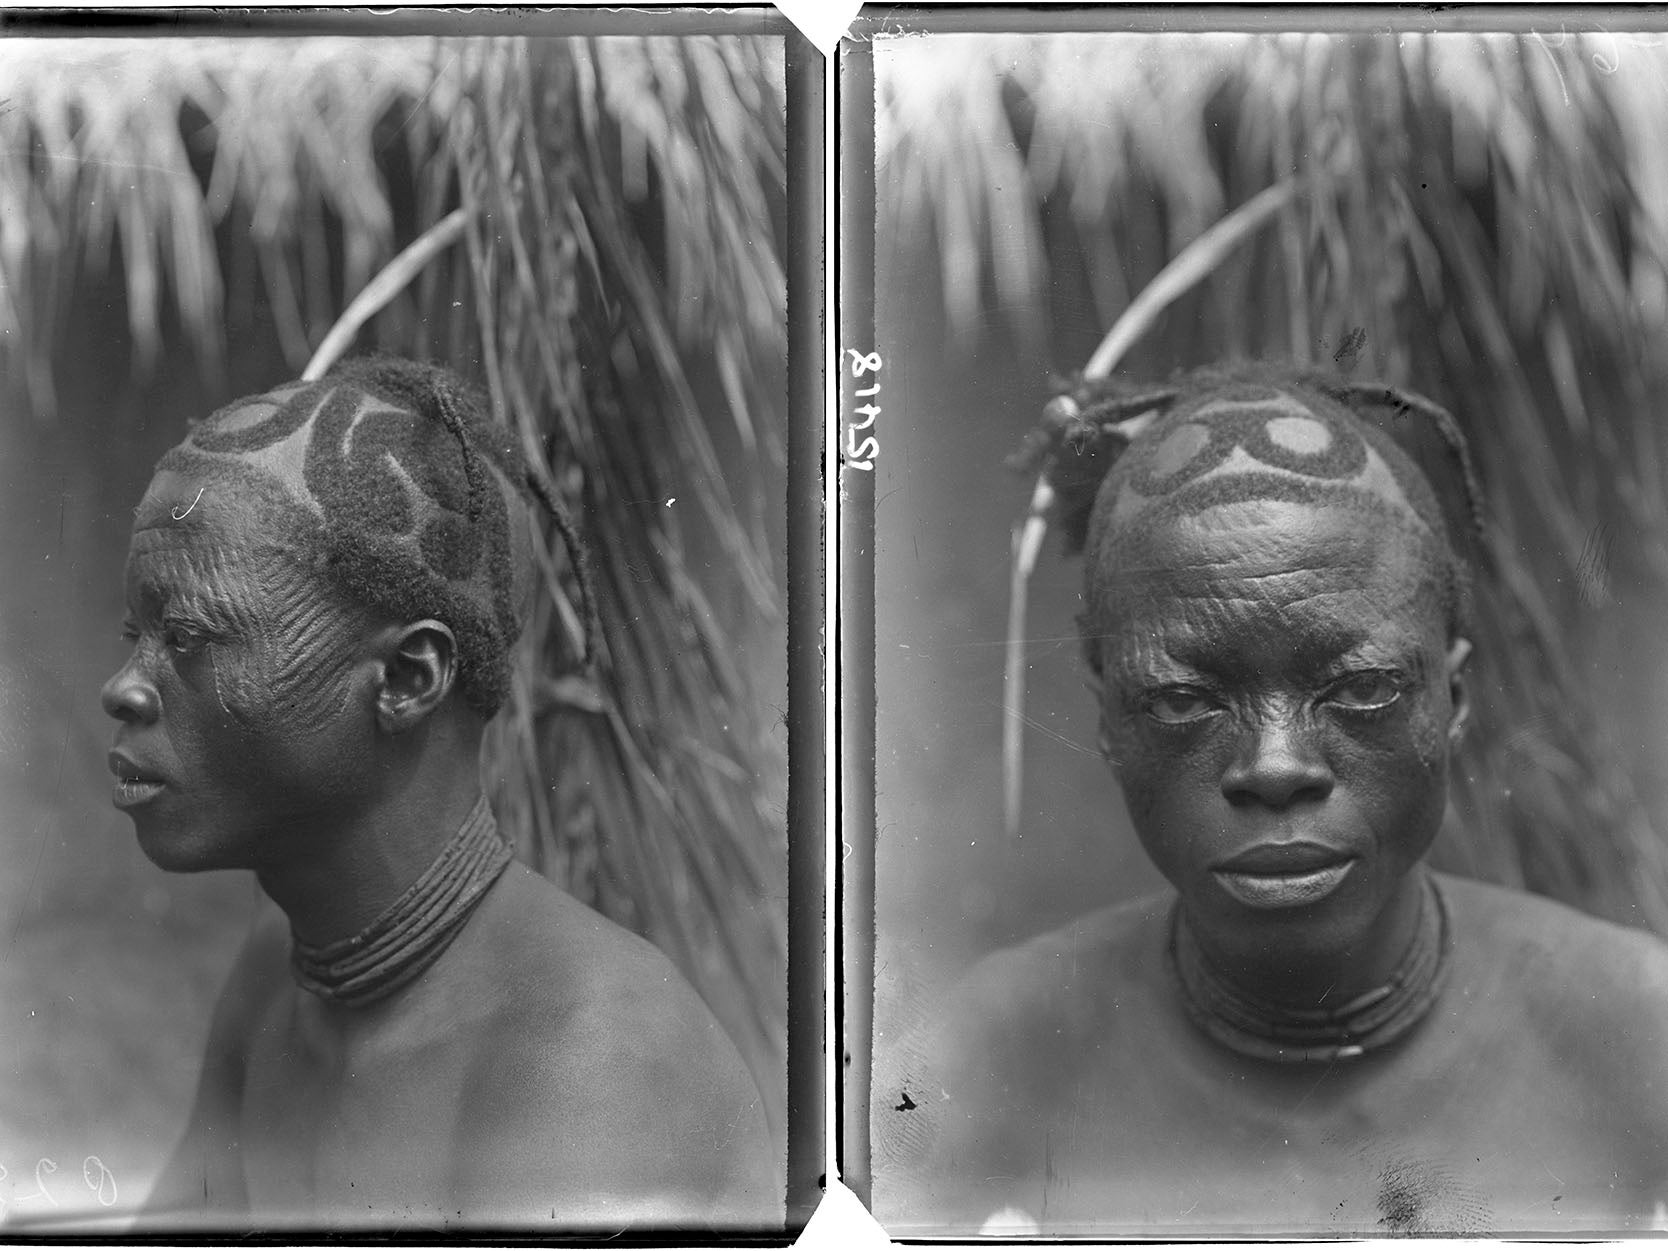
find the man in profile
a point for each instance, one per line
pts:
(322, 589)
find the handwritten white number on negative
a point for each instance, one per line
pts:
(43, 1165)
(100, 1180)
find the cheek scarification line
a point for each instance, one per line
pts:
(312, 646)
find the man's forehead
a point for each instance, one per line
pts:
(1222, 635)
(181, 508)
(1235, 564)
(1271, 534)
(196, 538)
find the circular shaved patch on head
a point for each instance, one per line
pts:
(1259, 441)
(413, 494)
(1248, 439)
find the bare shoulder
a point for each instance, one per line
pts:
(1060, 977)
(1598, 959)
(960, 1091)
(609, 1063)
(571, 968)
(1595, 991)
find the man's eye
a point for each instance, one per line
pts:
(130, 632)
(1176, 707)
(1366, 691)
(183, 639)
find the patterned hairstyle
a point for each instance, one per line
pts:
(1118, 456)
(406, 496)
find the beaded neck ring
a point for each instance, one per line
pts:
(415, 929)
(1371, 1021)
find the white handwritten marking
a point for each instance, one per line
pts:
(861, 455)
(43, 1165)
(178, 515)
(99, 1179)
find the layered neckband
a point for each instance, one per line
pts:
(413, 931)
(1256, 1027)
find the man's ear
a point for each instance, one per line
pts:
(419, 667)
(1459, 695)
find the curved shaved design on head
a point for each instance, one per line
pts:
(394, 485)
(1255, 439)
(1126, 460)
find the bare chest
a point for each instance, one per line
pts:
(372, 1127)
(1439, 1139)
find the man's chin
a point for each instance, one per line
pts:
(175, 849)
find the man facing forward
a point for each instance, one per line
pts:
(323, 586)
(1310, 1033)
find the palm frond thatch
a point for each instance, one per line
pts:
(621, 198)
(1482, 218)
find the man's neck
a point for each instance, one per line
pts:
(1319, 968)
(352, 874)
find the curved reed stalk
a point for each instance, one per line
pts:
(1189, 267)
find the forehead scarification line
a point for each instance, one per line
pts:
(208, 589)
(1375, 496)
(1198, 644)
(161, 529)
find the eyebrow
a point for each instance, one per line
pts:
(158, 596)
(161, 519)
(1201, 652)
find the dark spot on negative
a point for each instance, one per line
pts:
(1351, 347)
(908, 1104)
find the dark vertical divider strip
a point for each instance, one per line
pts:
(807, 440)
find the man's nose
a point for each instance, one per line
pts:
(1277, 763)
(130, 696)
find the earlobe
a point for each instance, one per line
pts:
(419, 668)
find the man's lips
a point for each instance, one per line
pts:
(135, 783)
(126, 769)
(1284, 875)
(1283, 859)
